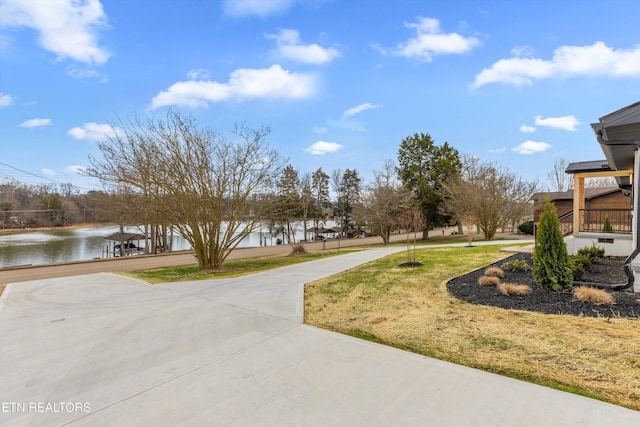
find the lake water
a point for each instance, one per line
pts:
(47, 247)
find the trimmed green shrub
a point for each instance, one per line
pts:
(579, 264)
(606, 227)
(593, 252)
(596, 251)
(526, 227)
(585, 260)
(517, 265)
(551, 267)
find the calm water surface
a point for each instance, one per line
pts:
(47, 247)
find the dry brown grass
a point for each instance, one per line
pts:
(488, 281)
(593, 295)
(494, 272)
(513, 289)
(597, 357)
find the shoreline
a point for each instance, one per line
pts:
(63, 227)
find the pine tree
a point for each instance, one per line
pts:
(606, 227)
(550, 258)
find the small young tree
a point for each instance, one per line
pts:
(550, 258)
(606, 227)
(412, 221)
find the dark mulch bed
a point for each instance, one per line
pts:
(605, 270)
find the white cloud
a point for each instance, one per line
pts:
(76, 170)
(34, 123)
(527, 129)
(321, 147)
(86, 73)
(68, 28)
(5, 100)
(358, 109)
(531, 147)
(244, 83)
(568, 61)
(520, 51)
(566, 122)
(92, 132)
(260, 8)
(497, 150)
(290, 47)
(46, 171)
(430, 41)
(319, 129)
(198, 74)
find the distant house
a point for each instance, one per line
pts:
(608, 198)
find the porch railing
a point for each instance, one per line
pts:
(566, 223)
(594, 220)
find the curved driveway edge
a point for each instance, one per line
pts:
(103, 349)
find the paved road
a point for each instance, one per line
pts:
(106, 350)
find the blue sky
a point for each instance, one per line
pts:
(340, 82)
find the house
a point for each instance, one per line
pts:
(618, 134)
(611, 202)
(595, 198)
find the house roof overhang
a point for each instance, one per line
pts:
(619, 136)
(590, 166)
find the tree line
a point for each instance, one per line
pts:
(173, 173)
(50, 205)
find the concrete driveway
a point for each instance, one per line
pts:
(106, 350)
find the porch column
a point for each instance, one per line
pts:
(578, 202)
(635, 188)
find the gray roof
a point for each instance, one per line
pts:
(589, 193)
(591, 166)
(619, 136)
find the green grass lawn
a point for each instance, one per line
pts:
(410, 308)
(230, 268)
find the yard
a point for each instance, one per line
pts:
(410, 308)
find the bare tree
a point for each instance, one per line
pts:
(203, 183)
(490, 195)
(559, 180)
(383, 203)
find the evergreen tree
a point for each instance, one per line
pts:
(423, 167)
(550, 258)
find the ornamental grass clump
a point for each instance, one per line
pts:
(593, 295)
(551, 267)
(488, 281)
(514, 289)
(494, 271)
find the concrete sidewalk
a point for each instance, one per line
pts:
(108, 350)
